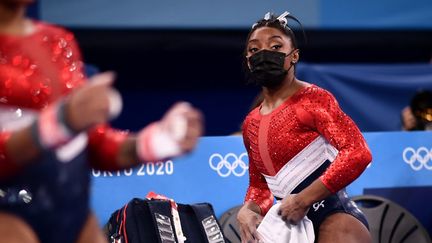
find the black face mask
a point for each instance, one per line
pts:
(267, 68)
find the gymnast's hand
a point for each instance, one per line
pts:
(184, 123)
(90, 104)
(248, 222)
(175, 134)
(292, 209)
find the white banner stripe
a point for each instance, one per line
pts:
(300, 167)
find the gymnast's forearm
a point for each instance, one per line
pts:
(315, 192)
(17, 149)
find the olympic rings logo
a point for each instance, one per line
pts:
(229, 164)
(419, 158)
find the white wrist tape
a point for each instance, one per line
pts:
(153, 144)
(50, 130)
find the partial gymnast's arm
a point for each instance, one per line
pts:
(324, 114)
(175, 134)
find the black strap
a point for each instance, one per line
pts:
(209, 225)
(162, 219)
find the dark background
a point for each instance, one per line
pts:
(157, 67)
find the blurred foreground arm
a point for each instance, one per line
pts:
(175, 134)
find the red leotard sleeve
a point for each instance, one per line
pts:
(104, 147)
(258, 191)
(323, 113)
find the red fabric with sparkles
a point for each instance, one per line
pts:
(38, 69)
(287, 130)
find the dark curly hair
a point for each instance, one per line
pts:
(273, 22)
(421, 105)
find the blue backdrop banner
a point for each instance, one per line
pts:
(217, 172)
(383, 14)
(373, 95)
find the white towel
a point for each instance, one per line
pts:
(274, 230)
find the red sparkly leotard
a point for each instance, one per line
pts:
(50, 194)
(274, 139)
(36, 70)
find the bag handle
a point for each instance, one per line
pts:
(210, 226)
